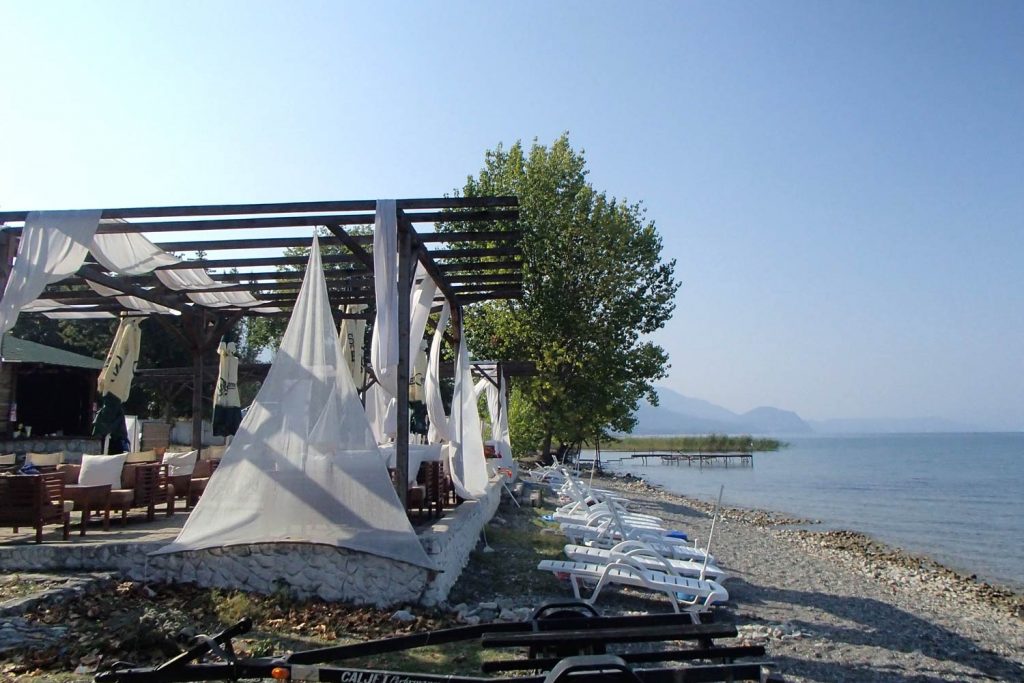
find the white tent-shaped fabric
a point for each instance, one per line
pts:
(304, 466)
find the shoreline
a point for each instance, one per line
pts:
(839, 605)
(863, 544)
(850, 536)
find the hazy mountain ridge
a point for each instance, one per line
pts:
(679, 414)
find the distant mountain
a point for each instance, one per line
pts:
(679, 414)
(767, 420)
(917, 425)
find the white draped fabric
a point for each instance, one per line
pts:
(129, 253)
(497, 409)
(384, 343)
(469, 470)
(497, 406)
(48, 307)
(421, 299)
(132, 303)
(53, 246)
(133, 254)
(304, 465)
(439, 428)
(380, 398)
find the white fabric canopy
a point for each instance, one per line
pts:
(133, 254)
(469, 470)
(53, 246)
(304, 465)
(49, 308)
(132, 303)
(439, 427)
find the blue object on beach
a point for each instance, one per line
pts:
(548, 518)
(675, 533)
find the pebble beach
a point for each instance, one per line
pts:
(838, 606)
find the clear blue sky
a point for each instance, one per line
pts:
(842, 184)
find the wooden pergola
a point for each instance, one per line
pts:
(475, 257)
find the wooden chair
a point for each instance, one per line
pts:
(432, 478)
(415, 497)
(200, 479)
(143, 486)
(34, 500)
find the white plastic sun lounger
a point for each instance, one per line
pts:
(596, 515)
(668, 546)
(686, 594)
(614, 530)
(580, 493)
(647, 557)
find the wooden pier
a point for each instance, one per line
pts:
(701, 460)
(708, 459)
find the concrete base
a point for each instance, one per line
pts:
(302, 570)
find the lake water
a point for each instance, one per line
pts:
(958, 498)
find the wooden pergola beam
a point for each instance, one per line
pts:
(291, 207)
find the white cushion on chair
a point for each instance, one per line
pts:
(101, 469)
(179, 464)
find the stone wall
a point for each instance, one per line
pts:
(452, 538)
(303, 570)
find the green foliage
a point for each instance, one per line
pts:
(594, 287)
(706, 443)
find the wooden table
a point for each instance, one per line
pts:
(89, 498)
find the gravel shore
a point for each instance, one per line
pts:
(838, 606)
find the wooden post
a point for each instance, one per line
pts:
(197, 384)
(404, 291)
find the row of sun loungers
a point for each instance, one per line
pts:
(611, 545)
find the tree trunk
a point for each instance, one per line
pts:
(545, 451)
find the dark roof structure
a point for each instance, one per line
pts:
(14, 350)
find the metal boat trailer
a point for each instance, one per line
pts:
(563, 641)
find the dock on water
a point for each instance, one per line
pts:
(700, 459)
(703, 459)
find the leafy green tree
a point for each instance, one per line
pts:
(594, 287)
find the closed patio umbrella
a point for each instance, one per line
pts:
(115, 383)
(227, 408)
